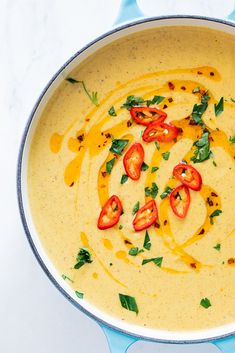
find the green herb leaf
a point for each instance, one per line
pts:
(202, 152)
(232, 100)
(109, 165)
(144, 167)
(135, 251)
(199, 109)
(216, 213)
(112, 111)
(132, 101)
(128, 303)
(214, 164)
(136, 208)
(66, 277)
(205, 303)
(196, 90)
(120, 227)
(219, 108)
(147, 244)
(118, 145)
(92, 96)
(153, 191)
(124, 179)
(217, 247)
(232, 139)
(166, 192)
(79, 294)
(157, 145)
(155, 100)
(154, 169)
(156, 260)
(83, 257)
(166, 155)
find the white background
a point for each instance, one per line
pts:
(36, 38)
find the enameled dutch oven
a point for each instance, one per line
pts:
(120, 335)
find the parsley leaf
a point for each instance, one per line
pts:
(232, 139)
(166, 192)
(153, 191)
(166, 155)
(156, 260)
(109, 165)
(157, 145)
(92, 96)
(83, 257)
(112, 111)
(79, 294)
(66, 277)
(202, 152)
(155, 100)
(135, 251)
(144, 167)
(154, 169)
(216, 213)
(147, 244)
(132, 101)
(199, 109)
(219, 107)
(128, 302)
(118, 145)
(205, 303)
(124, 179)
(217, 247)
(136, 208)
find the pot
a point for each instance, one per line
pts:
(120, 335)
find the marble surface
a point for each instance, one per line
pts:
(36, 38)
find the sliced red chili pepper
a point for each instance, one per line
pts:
(188, 175)
(146, 216)
(146, 115)
(133, 161)
(159, 131)
(110, 213)
(180, 201)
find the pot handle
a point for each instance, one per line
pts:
(118, 342)
(226, 345)
(129, 10)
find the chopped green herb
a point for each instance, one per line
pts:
(153, 191)
(199, 109)
(216, 213)
(66, 277)
(156, 260)
(232, 139)
(166, 155)
(205, 303)
(124, 179)
(214, 163)
(83, 257)
(128, 303)
(109, 165)
(202, 152)
(154, 169)
(79, 294)
(135, 251)
(112, 111)
(118, 145)
(92, 96)
(166, 192)
(136, 208)
(232, 100)
(219, 108)
(155, 100)
(196, 90)
(147, 244)
(132, 101)
(157, 145)
(120, 227)
(144, 167)
(217, 247)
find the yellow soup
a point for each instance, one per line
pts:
(189, 280)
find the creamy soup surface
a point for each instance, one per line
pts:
(189, 282)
